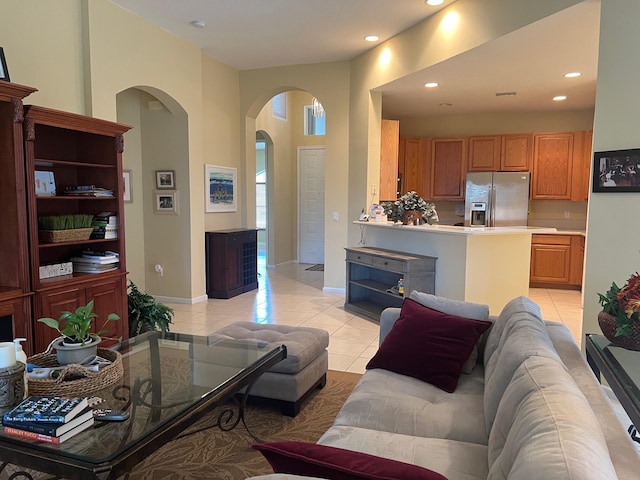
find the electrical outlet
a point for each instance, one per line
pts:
(335, 216)
(567, 214)
(374, 189)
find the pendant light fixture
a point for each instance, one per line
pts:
(318, 109)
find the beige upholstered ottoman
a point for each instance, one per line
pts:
(304, 369)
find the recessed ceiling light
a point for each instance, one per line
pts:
(199, 24)
(431, 84)
(559, 98)
(372, 38)
(434, 3)
(572, 74)
(445, 104)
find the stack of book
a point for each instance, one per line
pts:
(87, 191)
(91, 261)
(105, 225)
(49, 419)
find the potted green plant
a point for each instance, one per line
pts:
(77, 342)
(145, 312)
(619, 319)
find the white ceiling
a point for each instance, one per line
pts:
(249, 34)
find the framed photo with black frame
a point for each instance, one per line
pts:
(4, 71)
(616, 171)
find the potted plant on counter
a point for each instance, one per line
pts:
(77, 342)
(411, 208)
(145, 313)
(619, 319)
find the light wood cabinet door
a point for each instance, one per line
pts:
(516, 152)
(582, 160)
(389, 145)
(448, 168)
(484, 153)
(413, 176)
(550, 258)
(552, 166)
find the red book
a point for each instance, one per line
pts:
(48, 438)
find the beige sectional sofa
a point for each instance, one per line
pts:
(529, 409)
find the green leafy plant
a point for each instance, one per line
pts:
(76, 326)
(623, 304)
(65, 222)
(145, 313)
(410, 201)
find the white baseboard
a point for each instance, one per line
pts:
(188, 301)
(334, 290)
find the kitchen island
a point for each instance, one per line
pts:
(476, 264)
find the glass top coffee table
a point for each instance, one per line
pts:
(170, 381)
(621, 368)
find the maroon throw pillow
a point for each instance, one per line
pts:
(429, 345)
(310, 459)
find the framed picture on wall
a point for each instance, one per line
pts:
(127, 193)
(4, 71)
(166, 202)
(616, 171)
(166, 179)
(221, 189)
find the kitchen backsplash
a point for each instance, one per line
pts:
(563, 215)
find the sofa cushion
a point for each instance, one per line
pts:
(455, 460)
(387, 401)
(545, 428)
(429, 345)
(338, 463)
(517, 305)
(475, 311)
(523, 336)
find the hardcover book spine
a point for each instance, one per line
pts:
(41, 419)
(42, 428)
(31, 435)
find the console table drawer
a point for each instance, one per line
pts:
(388, 264)
(357, 257)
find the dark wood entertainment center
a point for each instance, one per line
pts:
(79, 150)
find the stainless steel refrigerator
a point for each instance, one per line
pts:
(496, 199)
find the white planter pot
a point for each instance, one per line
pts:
(75, 352)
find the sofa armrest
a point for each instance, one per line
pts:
(387, 318)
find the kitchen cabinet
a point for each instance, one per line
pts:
(76, 150)
(553, 158)
(516, 152)
(448, 168)
(231, 262)
(373, 274)
(414, 167)
(389, 150)
(582, 160)
(556, 260)
(500, 153)
(484, 153)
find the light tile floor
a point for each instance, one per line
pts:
(291, 295)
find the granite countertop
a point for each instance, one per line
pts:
(453, 230)
(559, 231)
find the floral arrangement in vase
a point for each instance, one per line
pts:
(620, 316)
(409, 202)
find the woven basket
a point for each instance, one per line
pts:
(608, 326)
(56, 236)
(81, 387)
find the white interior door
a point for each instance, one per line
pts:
(311, 205)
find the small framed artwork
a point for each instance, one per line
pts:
(616, 171)
(166, 179)
(127, 193)
(4, 71)
(221, 189)
(166, 202)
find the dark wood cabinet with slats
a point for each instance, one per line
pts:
(231, 262)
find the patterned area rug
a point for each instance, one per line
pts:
(316, 268)
(213, 453)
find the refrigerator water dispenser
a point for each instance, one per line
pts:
(478, 214)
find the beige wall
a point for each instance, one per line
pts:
(613, 226)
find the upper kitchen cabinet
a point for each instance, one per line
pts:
(448, 168)
(516, 152)
(552, 166)
(484, 153)
(582, 157)
(505, 153)
(414, 166)
(389, 146)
